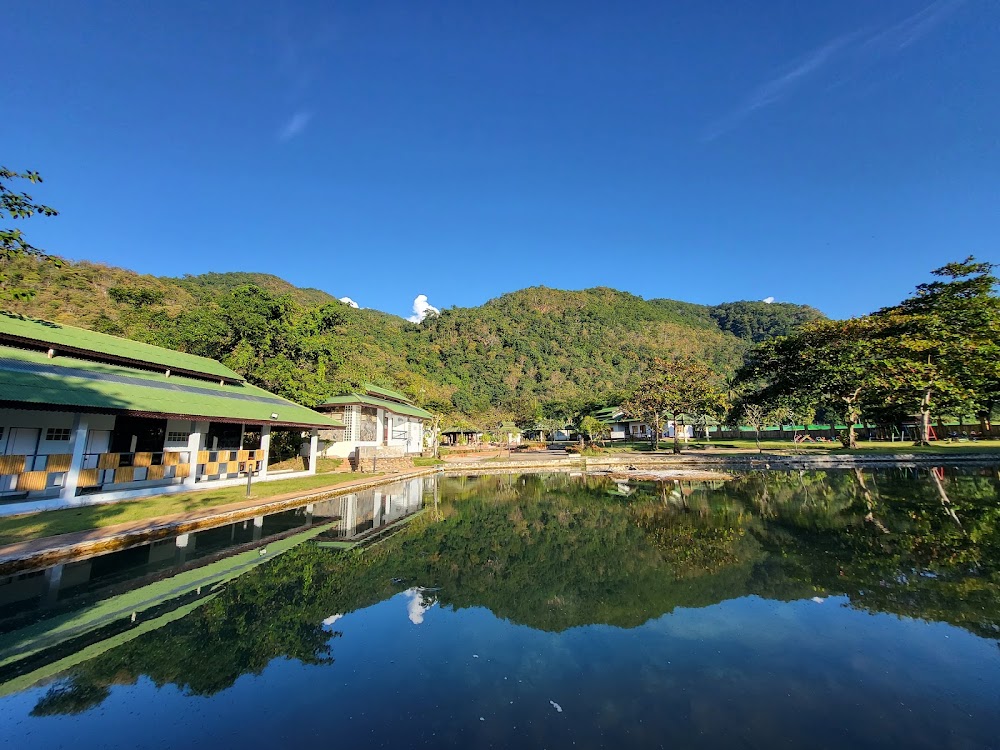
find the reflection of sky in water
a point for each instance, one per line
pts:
(747, 672)
(816, 671)
(419, 603)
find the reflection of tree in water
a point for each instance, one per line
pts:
(72, 697)
(554, 552)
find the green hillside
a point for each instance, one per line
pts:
(531, 351)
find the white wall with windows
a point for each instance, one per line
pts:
(372, 427)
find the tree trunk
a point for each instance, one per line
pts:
(925, 419)
(756, 436)
(852, 438)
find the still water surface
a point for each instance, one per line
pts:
(817, 609)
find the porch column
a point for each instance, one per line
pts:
(78, 444)
(195, 439)
(313, 450)
(265, 446)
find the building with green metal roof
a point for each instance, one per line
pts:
(376, 417)
(87, 417)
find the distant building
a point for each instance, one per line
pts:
(623, 427)
(375, 417)
(86, 417)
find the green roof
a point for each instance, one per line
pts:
(374, 390)
(79, 341)
(608, 413)
(406, 410)
(30, 378)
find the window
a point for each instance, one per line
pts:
(57, 433)
(178, 437)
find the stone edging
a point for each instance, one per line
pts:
(12, 561)
(741, 461)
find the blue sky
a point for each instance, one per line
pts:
(828, 152)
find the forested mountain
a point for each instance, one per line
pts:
(531, 352)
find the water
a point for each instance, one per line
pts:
(820, 610)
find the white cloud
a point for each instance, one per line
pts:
(349, 302)
(421, 309)
(767, 300)
(296, 124)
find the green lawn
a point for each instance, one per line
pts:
(50, 523)
(420, 461)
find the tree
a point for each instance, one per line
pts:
(945, 343)
(18, 205)
(591, 426)
(674, 387)
(758, 416)
(827, 363)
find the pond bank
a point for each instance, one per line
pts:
(43, 551)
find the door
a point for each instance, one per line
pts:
(98, 442)
(385, 428)
(23, 441)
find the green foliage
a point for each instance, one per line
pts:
(532, 354)
(672, 388)
(759, 321)
(938, 351)
(17, 205)
(136, 297)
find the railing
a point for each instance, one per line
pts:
(400, 435)
(20, 474)
(100, 469)
(23, 474)
(224, 463)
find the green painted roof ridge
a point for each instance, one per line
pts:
(84, 339)
(397, 408)
(380, 391)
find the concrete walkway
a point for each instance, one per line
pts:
(40, 553)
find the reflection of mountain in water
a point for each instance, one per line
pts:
(555, 552)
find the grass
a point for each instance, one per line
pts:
(419, 461)
(53, 522)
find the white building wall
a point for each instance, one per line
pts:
(411, 442)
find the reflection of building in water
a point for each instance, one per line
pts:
(62, 585)
(359, 513)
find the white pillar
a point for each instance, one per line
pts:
(195, 439)
(78, 444)
(181, 542)
(313, 450)
(351, 515)
(265, 446)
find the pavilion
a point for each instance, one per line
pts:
(86, 417)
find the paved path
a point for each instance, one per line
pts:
(53, 549)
